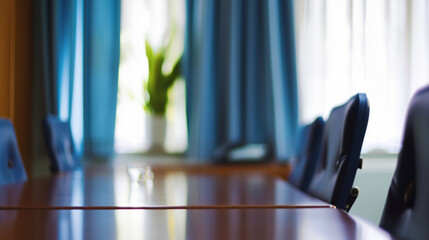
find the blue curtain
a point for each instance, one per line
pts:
(101, 61)
(240, 75)
(78, 50)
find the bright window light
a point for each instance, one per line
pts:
(156, 21)
(380, 48)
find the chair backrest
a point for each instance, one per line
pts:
(339, 158)
(11, 166)
(308, 154)
(59, 144)
(406, 212)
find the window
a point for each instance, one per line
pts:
(157, 21)
(380, 48)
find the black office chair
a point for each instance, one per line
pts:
(406, 213)
(307, 154)
(11, 166)
(339, 158)
(59, 143)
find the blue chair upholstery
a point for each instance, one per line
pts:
(339, 158)
(59, 144)
(308, 154)
(11, 166)
(406, 212)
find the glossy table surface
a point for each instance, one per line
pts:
(111, 188)
(316, 223)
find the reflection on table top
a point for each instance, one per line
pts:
(317, 223)
(112, 188)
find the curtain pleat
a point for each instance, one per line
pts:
(234, 94)
(101, 61)
(283, 68)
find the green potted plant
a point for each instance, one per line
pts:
(156, 95)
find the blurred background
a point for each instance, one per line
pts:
(182, 78)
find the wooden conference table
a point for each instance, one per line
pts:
(111, 188)
(315, 223)
(103, 203)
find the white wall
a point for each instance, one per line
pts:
(373, 181)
